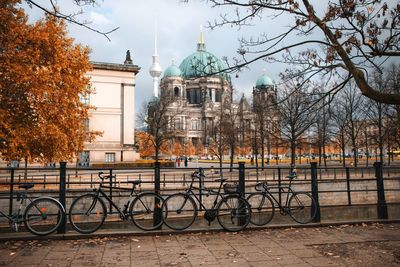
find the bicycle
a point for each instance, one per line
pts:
(179, 210)
(42, 216)
(301, 206)
(88, 212)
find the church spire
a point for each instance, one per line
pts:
(201, 46)
(155, 69)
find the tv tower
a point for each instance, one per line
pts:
(155, 69)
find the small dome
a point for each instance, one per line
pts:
(202, 63)
(264, 81)
(173, 71)
(154, 99)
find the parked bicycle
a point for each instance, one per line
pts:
(42, 216)
(179, 210)
(88, 212)
(301, 206)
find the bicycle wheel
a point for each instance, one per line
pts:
(179, 211)
(43, 216)
(87, 213)
(233, 213)
(145, 211)
(302, 207)
(262, 208)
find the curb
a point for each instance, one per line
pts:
(26, 236)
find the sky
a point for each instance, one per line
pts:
(178, 29)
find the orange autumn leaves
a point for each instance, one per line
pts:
(42, 75)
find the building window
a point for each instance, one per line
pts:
(195, 125)
(176, 92)
(87, 136)
(178, 123)
(194, 96)
(84, 158)
(85, 99)
(110, 157)
(218, 96)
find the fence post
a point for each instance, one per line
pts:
(382, 207)
(11, 193)
(242, 176)
(314, 191)
(348, 185)
(201, 191)
(279, 186)
(111, 191)
(157, 216)
(242, 189)
(63, 170)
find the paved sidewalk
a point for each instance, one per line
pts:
(345, 245)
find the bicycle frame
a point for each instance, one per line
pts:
(132, 195)
(189, 192)
(281, 189)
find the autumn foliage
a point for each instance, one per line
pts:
(42, 78)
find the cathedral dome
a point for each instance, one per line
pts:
(264, 81)
(172, 71)
(202, 63)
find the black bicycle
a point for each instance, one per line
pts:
(301, 206)
(179, 210)
(88, 212)
(42, 216)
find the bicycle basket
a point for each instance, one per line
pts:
(230, 188)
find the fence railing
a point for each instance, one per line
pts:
(330, 187)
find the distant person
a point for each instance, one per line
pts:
(186, 161)
(252, 161)
(178, 161)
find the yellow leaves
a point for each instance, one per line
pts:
(42, 76)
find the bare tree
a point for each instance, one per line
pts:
(265, 112)
(158, 118)
(51, 8)
(323, 126)
(340, 120)
(224, 133)
(341, 38)
(297, 113)
(353, 106)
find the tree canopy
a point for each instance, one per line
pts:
(42, 77)
(344, 39)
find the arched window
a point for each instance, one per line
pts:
(176, 91)
(195, 125)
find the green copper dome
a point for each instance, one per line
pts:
(202, 63)
(264, 81)
(172, 71)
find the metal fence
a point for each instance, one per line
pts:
(333, 188)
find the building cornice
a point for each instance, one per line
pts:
(115, 66)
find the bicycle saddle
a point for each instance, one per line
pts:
(291, 176)
(26, 185)
(135, 182)
(220, 180)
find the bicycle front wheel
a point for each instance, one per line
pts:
(87, 213)
(302, 207)
(179, 211)
(233, 213)
(43, 216)
(145, 211)
(262, 208)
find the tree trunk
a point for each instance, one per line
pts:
(26, 169)
(293, 153)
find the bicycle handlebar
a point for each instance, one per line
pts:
(198, 174)
(263, 184)
(102, 177)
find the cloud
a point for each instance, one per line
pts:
(99, 19)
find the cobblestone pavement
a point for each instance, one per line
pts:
(345, 245)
